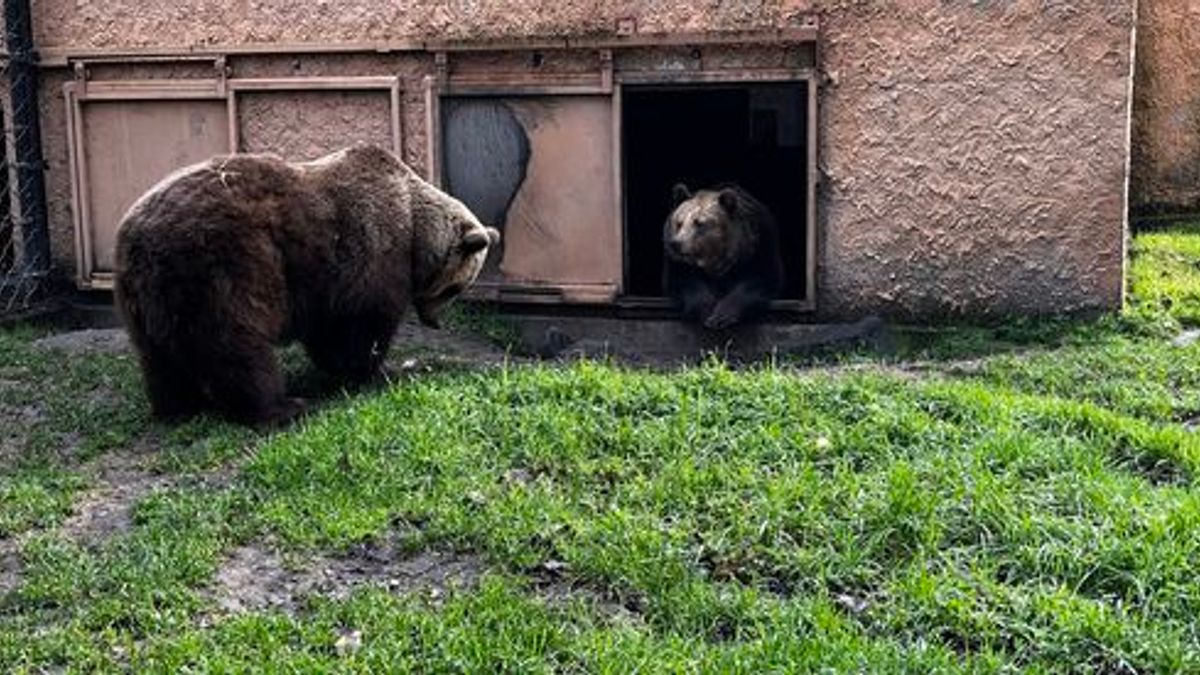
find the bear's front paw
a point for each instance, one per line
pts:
(721, 319)
(283, 413)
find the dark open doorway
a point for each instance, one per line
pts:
(755, 135)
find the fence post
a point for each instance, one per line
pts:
(27, 138)
(8, 252)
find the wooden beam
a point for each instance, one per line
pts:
(52, 57)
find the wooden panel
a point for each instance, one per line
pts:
(128, 146)
(153, 90)
(539, 168)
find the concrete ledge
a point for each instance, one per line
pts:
(643, 340)
(637, 340)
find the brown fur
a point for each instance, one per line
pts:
(221, 261)
(722, 256)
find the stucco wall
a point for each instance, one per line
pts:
(1166, 156)
(976, 155)
(973, 153)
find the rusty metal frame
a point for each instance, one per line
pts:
(221, 88)
(810, 77)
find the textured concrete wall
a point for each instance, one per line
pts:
(976, 155)
(108, 23)
(1166, 155)
(973, 153)
(307, 125)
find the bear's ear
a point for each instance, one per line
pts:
(475, 240)
(728, 200)
(680, 194)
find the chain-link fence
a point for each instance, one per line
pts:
(16, 290)
(24, 244)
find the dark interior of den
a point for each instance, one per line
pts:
(754, 135)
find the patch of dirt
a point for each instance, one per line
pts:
(416, 347)
(106, 510)
(90, 341)
(119, 481)
(444, 343)
(102, 512)
(18, 418)
(555, 585)
(954, 367)
(912, 370)
(562, 593)
(256, 578)
(10, 565)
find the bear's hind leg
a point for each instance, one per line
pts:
(246, 385)
(172, 390)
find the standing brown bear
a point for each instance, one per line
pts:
(722, 256)
(223, 260)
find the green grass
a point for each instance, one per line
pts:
(1167, 275)
(1035, 509)
(479, 320)
(35, 497)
